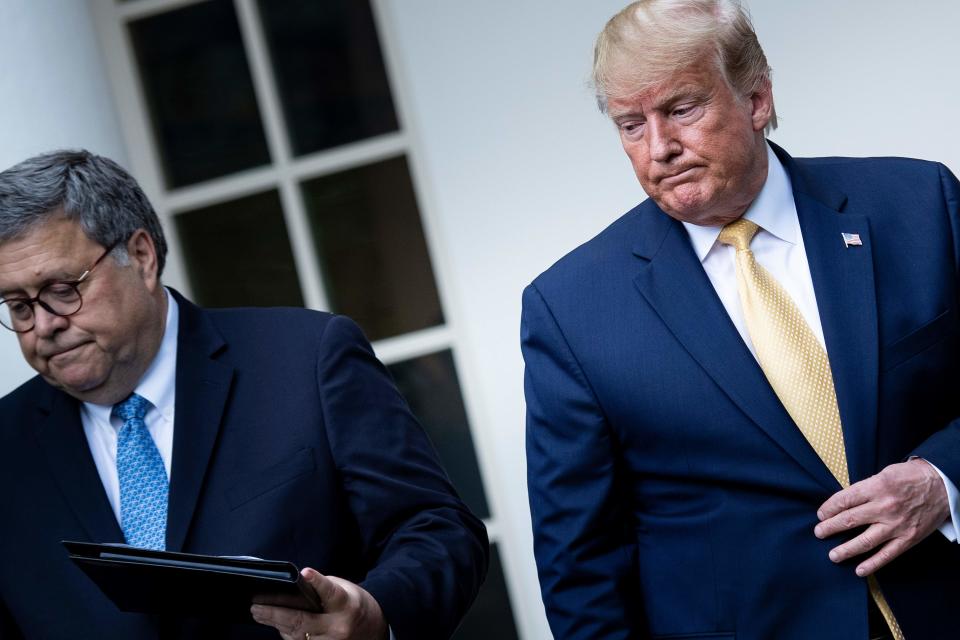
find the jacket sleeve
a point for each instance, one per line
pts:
(943, 447)
(428, 553)
(584, 547)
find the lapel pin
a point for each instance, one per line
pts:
(851, 240)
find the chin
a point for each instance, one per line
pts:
(688, 206)
(691, 213)
(703, 211)
(82, 385)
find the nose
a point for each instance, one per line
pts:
(47, 324)
(662, 139)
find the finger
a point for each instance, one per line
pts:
(859, 516)
(286, 621)
(852, 496)
(883, 557)
(873, 537)
(332, 596)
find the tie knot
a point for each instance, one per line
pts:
(133, 407)
(739, 233)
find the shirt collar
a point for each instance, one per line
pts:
(773, 210)
(158, 384)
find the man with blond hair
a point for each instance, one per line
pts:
(742, 419)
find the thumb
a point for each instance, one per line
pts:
(332, 596)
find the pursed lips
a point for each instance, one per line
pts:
(61, 351)
(677, 174)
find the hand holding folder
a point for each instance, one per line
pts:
(191, 585)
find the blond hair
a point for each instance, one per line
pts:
(650, 40)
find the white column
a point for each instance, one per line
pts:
(55, 96)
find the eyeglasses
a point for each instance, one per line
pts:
(61, 298)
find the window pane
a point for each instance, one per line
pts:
(373, 255)
(430, 385)
(199, 92)
(238, 254)
(491, 615)
(329, 70)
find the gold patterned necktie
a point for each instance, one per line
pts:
(795, 364)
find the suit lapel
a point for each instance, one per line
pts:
(203, 385)
(673, 281)
(846, 298)
(64, 445)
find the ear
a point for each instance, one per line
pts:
(761, 103)
(143, 257)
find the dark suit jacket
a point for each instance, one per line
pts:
(672, 495)
(291, 442)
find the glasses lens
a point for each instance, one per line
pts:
(16, 315)
(60, 298)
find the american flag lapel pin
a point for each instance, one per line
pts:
(851, 240)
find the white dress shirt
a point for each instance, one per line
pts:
(778, 246)
(158, 387)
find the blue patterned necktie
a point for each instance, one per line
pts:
(143, 478)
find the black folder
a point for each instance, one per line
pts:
(191, 585)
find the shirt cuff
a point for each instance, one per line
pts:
(949, 528)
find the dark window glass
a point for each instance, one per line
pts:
(199, 92)
(430, 385)
(329, 70)
(373, 255)
(238, 253)
(491, 615)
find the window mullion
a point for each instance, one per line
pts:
(264, 82)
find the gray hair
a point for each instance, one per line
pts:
(649, 40)
(90, 189)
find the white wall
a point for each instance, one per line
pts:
(865, 77)
(521, 167)
(53, 95)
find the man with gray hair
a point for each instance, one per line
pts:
(742, 418)
(273, 433)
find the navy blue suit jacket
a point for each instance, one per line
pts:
(672, 496)
(291, 442)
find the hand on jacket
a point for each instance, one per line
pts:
(900, 506)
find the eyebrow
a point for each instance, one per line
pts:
(619, 117)
(675, 95)
(679, 94)
(20, 292)
(13, 293)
